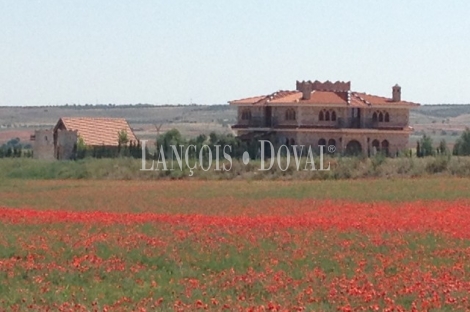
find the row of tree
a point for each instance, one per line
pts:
(15, 148)
(174, 138)
(425, 146)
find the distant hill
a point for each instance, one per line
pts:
(444, 110)
(440, 121)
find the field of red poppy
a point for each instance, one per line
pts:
(393, 245)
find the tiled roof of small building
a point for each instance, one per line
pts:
(98, 131)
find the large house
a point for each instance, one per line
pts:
(327, 114)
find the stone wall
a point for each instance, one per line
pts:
(399, 117)
(43, 146)
(279, 116)
(328, 132)
(396, 141)
(257, 114)
(66, 146)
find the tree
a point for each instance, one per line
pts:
(426, 146)
(81, 148)
(442, 149)
(462, 146)
(169, 138)
(123, 139)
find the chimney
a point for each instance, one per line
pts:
(307, 91)
(396, 93)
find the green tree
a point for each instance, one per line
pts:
(123, 139)
(442, 149)
(426, 146)
(81, 148)
(167, 139)
(462, 146)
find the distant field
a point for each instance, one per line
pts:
(190, 120)
(439, 121)
(210, 197)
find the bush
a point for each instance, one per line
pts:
(437, 165)
(462, 146)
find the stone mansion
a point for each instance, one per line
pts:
(327, 114)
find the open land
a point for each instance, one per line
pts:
(396, 244)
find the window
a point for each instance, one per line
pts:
(292, 142)
(381, 117)
(290, 114)
(321, 142)
(246, 114)
(385, 146)
(387, 117)
(376, 144)
(374, 116)
(327, 115)
(332, 142)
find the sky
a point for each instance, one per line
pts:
(54, 52)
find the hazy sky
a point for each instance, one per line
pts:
(95, 51)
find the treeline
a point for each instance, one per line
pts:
(425, 146)
(15, 149)
(132, 150)
(174, 138)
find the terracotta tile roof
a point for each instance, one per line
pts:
(378, 100)
(276, 96)
(249, 100)
(353, 99)
(98, 131)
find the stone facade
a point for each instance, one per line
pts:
(43, 146)
(66, 145)
(378, 128)
(50, 145)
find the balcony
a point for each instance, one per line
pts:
(357, 123)
(340, 123)
(260, 122)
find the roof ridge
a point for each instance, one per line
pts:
(84, 117)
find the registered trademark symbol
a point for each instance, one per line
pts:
(331, 149)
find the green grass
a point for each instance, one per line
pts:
(205, 196)
(341, 168)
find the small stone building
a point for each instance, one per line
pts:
(326, 113)
(61, 141)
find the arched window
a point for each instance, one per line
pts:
(387, 117)
(385, 146)
(290, 114)
(321, 142)
(332, 142)
(381, 117)
(374, 116)
(292, 141)
(321, 116)
(246, 114)
(327, 116)
(376, 144)
(333, 116)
